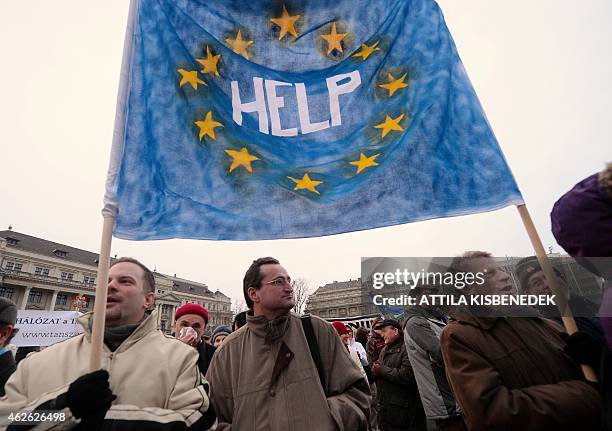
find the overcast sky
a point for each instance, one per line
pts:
(542, 70)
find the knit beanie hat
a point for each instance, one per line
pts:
(340, 327)
(8, 311)
(220, 330)
(190, 308)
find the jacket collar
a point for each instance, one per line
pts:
(147, 325)
(395, 344)
(485, 323)
(270, 330)
(486, 317)
(6, 358)
(415, 310)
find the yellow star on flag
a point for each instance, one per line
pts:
(239, 46)
(366, 50)
(207, 127)
(390, 124)
(241, 158)
(210, 62)
(190, 77)
(394, 84)
(286, 23)
(333, 39)
(306, 183)
(364, 162)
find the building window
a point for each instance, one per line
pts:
(35, 297)
(166, 309)
(67, 276)
(62, 299)
(43, 272)
(13, 266)
(6, 292)
(60, 253)
(12, 241)
(89, 279)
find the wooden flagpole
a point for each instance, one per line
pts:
(110, 201)
(561, 296)
(97, 336)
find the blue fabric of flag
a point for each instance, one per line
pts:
(263, 120)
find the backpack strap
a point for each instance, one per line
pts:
(313, 346)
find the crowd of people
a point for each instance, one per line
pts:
(438, 367)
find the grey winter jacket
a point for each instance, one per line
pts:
(422, 330)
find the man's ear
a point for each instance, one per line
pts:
(5, 334)
(149, 303)
(253, 294)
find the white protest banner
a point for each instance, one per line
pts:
(44, 328)
(357, 321)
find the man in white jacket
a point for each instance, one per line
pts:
(148, 381)
(357, 347)
(345, 335)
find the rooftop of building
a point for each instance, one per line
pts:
(336, 285)
(32, 244)
(51, 249)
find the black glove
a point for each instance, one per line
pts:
(89, 396)
(583, 349)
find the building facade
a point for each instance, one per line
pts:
(341, 299)
(38, 274)
(172, 292)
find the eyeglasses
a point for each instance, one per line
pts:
(280, 281)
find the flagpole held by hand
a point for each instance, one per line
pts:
(97, 335)
(551, 278)
(109, 212)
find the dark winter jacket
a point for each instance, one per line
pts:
(7, 367)
(399, 402)
(206, 352)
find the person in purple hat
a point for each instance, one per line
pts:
(582, 218)
(582, 224)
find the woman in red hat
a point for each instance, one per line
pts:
(343, 331)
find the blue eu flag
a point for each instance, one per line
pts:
(263, 119)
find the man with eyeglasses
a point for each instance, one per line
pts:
(509, 372)
(265, 376)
